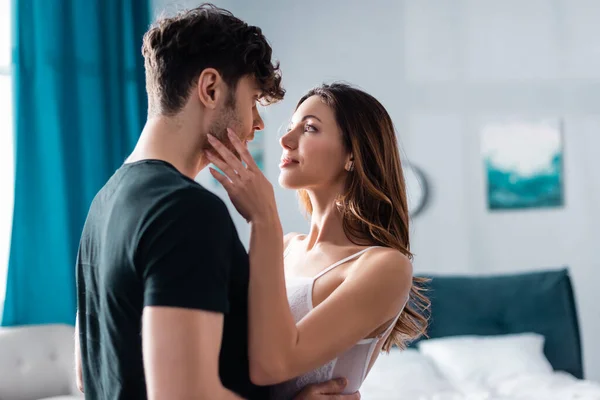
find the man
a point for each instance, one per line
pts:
(162, 276)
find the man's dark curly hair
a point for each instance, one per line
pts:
(177, 49)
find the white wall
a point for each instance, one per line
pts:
(443, 69)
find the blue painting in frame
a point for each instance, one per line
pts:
(524, 164)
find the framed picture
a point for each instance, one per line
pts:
(524, 164)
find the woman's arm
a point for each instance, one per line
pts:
(266, 245)
(279, 349)
(370, 296)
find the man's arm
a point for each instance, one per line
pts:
(181, 354)
(78, 371)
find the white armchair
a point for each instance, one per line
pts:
(36, 362)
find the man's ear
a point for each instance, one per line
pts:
(210, 87)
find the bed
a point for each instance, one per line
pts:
(501, 337)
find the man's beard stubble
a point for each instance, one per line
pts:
(227, 119)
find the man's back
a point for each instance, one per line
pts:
(153, 237)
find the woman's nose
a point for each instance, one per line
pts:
(288, 140)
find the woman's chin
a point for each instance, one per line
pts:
(285, 181)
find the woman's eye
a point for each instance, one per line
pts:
(310, 128)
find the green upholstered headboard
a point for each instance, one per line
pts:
(540, 302)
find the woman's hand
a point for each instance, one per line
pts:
(249, 190)
(330, 390)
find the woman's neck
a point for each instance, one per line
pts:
(326, 223)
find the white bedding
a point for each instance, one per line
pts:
(553, 386)
(412, 375)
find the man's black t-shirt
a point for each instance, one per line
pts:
(153, 237)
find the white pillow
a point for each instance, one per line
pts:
(473, 362)
(406, 374)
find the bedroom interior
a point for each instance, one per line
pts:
(497, 110)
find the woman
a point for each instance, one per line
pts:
(323, 305)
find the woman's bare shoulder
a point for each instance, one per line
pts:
(290, 237)
(387, 263)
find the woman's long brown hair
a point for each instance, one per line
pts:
(374, 205)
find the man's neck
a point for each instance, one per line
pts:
(170, 140)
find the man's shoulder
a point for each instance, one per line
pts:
(197, 200)
(165, 188)
(187, 207)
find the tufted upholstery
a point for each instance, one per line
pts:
(36, 362)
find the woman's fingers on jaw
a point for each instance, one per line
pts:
(242, 150)
(222, 165)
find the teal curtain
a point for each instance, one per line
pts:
(80, 104)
